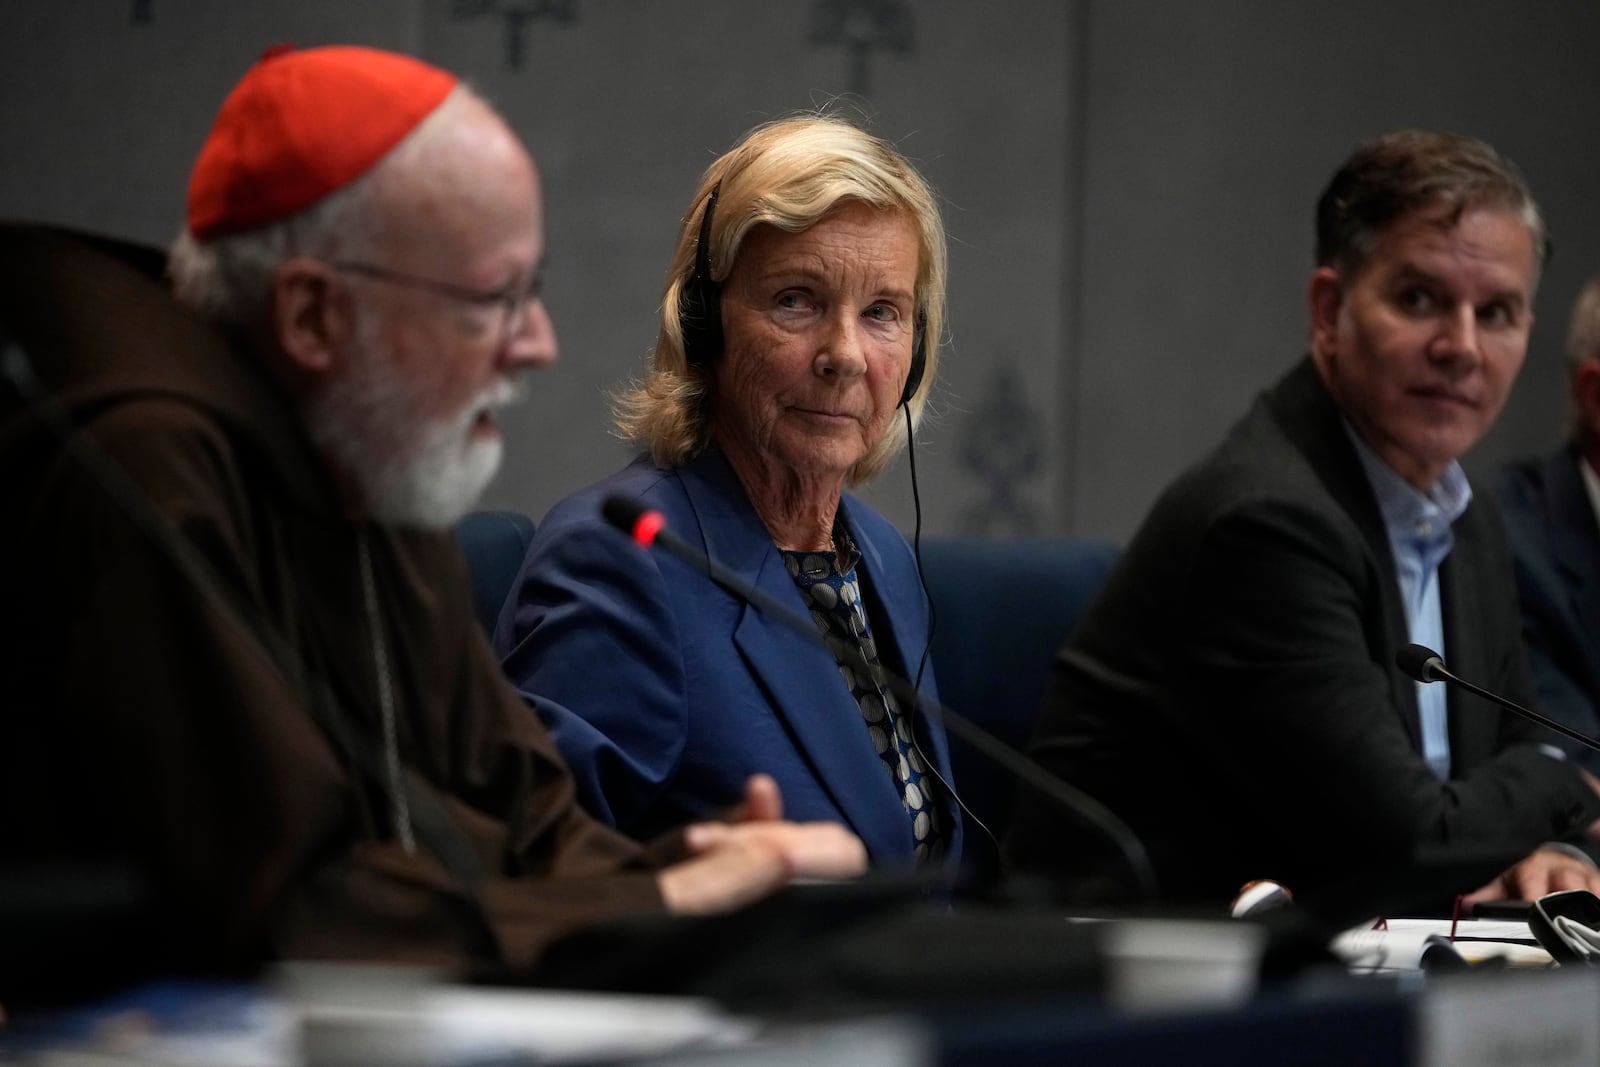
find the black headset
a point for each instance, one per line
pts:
(700, 312)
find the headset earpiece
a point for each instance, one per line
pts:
(700, 299)
(919, 361)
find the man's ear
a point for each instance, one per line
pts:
(1324, 299)
(310, 314)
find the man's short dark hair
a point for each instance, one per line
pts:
(1407, 171)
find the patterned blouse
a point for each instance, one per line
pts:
(832, 591)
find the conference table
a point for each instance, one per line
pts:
(1498, 1000)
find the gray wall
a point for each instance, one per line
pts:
(1128, 187)
(1211, 129)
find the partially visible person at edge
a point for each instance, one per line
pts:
(1233, 693)
(799, 333)
(334, 767)
(1551, 506)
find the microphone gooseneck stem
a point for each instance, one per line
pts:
(1422, 664)
(1527, 713)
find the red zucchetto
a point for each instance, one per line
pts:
(302, 124)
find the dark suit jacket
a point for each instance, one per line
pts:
(678, 690)
(1232, 694)
(1556, 545)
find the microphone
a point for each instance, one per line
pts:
(647, 527)
(1425, 665)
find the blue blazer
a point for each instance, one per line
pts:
(664, 692)
(1556, 544)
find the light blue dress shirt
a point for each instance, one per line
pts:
(1420, 538)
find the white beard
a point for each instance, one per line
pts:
(439, 469)
(448, 472)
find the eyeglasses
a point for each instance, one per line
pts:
(511, 303)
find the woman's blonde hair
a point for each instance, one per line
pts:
(792, 174)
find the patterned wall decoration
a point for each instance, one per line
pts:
(515, 18)
(1124, 181)
(862, 27)
(1002, 451)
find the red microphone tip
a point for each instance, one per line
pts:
(646, 527)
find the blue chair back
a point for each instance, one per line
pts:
(493, 544)
(1002, 611)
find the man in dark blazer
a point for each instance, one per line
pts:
(1232, 693)
(1550, 507)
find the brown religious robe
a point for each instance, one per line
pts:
(169, 708)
